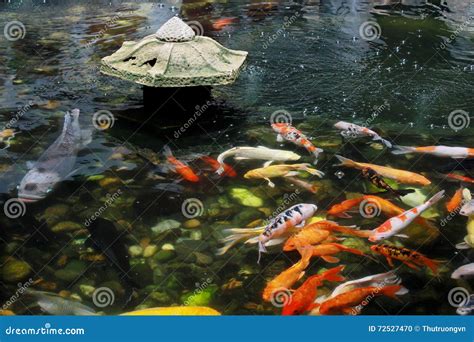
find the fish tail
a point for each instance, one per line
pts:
(432, 264)
(345, 161)
(261, 249)
(306, 253)
(436, 198)
(398, 149)
(354, 231)
(383, 141)
(312, 171)
(167, 151)
(333, 274)
(391, 290)
(237, 235)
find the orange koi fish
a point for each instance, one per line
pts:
(326, 250)
(461, 178)
(215, 165)
(455, 201)
(439, 151)
(180, 167)
(407, 256)
(348, 302)
(394, 225)
(303, 298)
(219, 24)
(386, 207)
(288, 132)
(401, 176)
(286, 279)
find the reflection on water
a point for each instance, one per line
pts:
(400, 67)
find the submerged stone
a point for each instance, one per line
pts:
(245, 197)
(15, 270)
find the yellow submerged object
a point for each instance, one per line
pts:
(175, 311)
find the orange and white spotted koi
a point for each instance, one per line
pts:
(350, 130)
(394, 225)
(288, 132)
(439, 151)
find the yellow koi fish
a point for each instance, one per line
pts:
(175, 311)
(402, 176)
(284, 170)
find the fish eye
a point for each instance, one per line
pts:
(49, 190)
(30, 187)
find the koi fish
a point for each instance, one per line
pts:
(376, 280)
(215, 165)
(402, 176)
(386, 207)
(57, 162)
(295, 216)
(394, 225)
(302, 299)
(283, 170)
(179, 167)
(464, 272)
(318, 232)
(439, 151)
(350, 130)
(456, 201)
(175, 311)
(219, 24)
(289, 133)
(260, 152)
(286, 279)
(6, 135)
(467, 210)
(326, 250)
(349, 302)
(459, 177)
(374, 178)
(407, 256)
(275, 232)
(313, 188)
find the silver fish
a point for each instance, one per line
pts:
(54, 304)
(350, 130)
(464, 272)
(56, 163)
(467, 308)
(260, 152)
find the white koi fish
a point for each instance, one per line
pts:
(275, 232)
(439, 151)
(260, 152)
(467, 210)
(350, 130)
(464, 272)
(394, 225)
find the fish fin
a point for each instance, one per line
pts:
(167, 151)
(292, 174)
(86, 137)
(432, 264)
(280, 138)
(241, 158)
(261, 249)
(438, 196)
(267, 163)
(274, 242)
(344, 161)
(263, 147)
(270, 183)
(398, 149)
(383, 141)
(411, 265)
(330, 259)
(312, 171)
(220, 170)
(301, 224)
(316, 152)
(237, 235)
(333, 274)
(73, 172)
(391, 290)
(466, 194)
(463, 245)
(403, 236)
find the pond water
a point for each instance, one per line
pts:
(310, 62)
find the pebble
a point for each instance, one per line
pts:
(135, 251)
(15, 270)
(190, 224)
(150, 250)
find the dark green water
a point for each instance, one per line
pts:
(305, 57)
